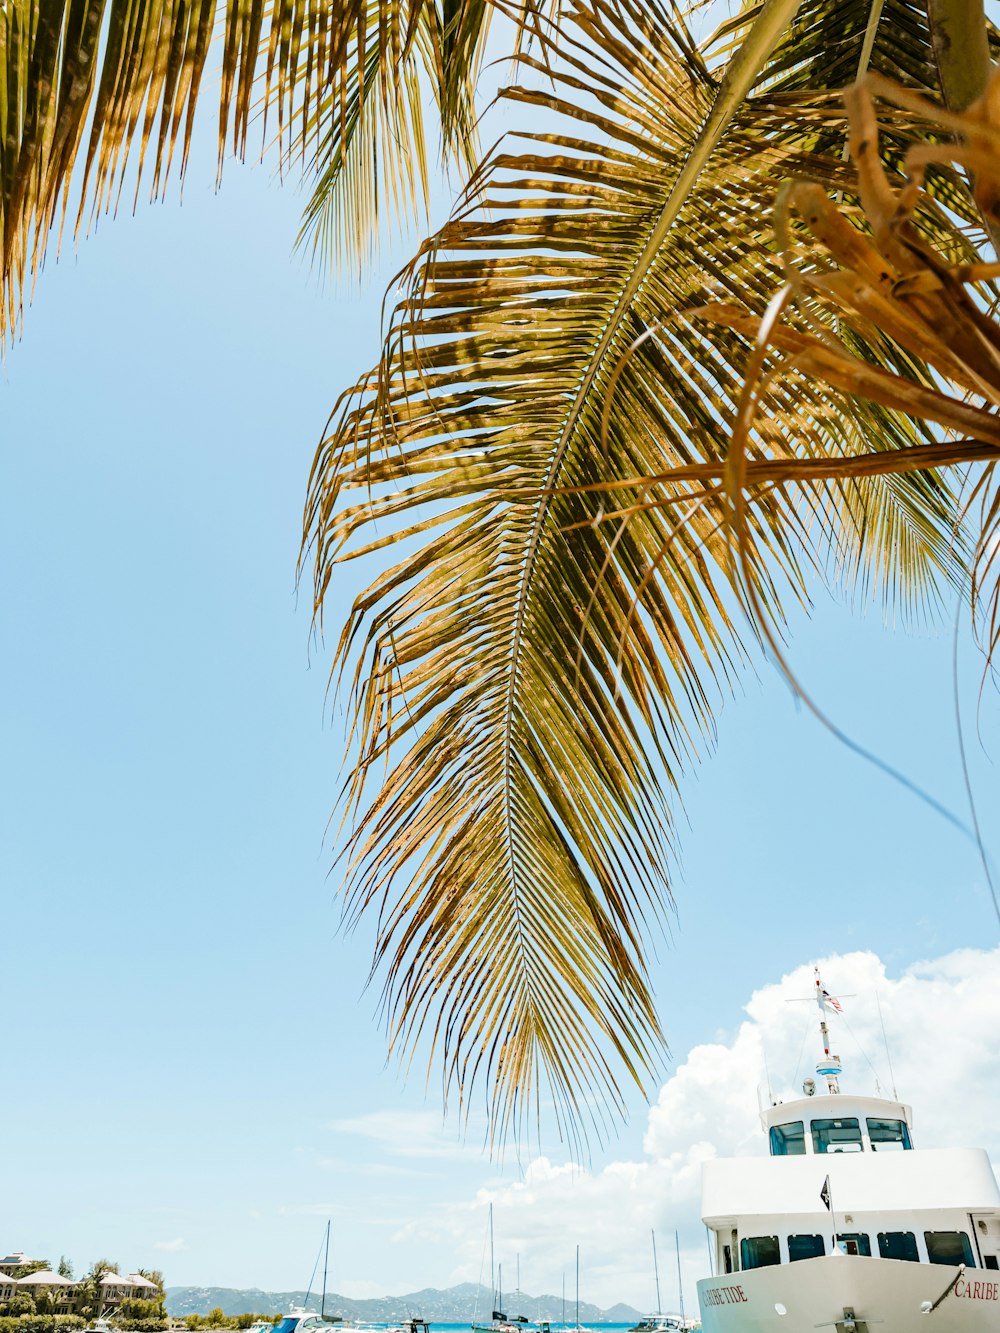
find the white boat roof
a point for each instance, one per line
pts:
(839, 1106)
(919, 1181)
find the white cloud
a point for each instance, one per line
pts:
(942, 1020)
(171, 1246)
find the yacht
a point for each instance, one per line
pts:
(660, 1323)
(307, 1321)
(847, 1225)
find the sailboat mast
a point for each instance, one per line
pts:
(493, 1271)
(578, 1286)
(564, 1300)
(500, 1287)
(326, 1262)
(656, 1273)
(680, 1284)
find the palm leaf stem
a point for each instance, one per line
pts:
(773, 471)
(960, 39)
(773, 20)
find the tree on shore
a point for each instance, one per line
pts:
(638, 394)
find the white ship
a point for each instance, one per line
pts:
(847, 1226)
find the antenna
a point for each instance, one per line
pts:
(829, 1067)
(885, 1043)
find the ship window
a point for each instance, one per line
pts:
(855, 1242)
(759, 1251)
(788, 1140)
(805, 1247)
(898, 1245)
(888, 1134)
(836, 1135)
(949, 1247)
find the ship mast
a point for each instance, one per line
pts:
(830, 1066)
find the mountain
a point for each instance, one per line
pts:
(456, 1305)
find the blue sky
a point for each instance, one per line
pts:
(196, 1076)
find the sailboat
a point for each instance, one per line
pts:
(579, 1328)
(660, 1322)
(300, 1320)
(499, 1323)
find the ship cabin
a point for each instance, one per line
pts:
(843, 1178)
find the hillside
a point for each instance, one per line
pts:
(456, 1305)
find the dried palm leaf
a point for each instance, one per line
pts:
(887, 285)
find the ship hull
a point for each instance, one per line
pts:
(884, 1295)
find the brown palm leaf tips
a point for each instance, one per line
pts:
(888, 283)
(539, 659)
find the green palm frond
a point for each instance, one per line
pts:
(91, 90)
(542, 659)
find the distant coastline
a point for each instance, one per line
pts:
(453, 1305)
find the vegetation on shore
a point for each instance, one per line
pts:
(216, 1319)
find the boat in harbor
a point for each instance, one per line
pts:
(847, 1225)
(660, 1322)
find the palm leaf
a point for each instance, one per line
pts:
(335, 84)
(540, 663)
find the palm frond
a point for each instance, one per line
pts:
(541, 662)
(91, 89)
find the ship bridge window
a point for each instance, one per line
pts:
(949, 1247)
(888, 1134)
(898, 1245)
(855, 1242)
(759, 1251)
(805, 1247)
(836, 1135)
(788, 1140)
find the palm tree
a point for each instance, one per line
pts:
(586, 514)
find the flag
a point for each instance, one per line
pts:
(831, 1001)
(825, 1195)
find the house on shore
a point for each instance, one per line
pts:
(19, 1273)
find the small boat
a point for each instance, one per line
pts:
(847, 1225)
(411, 1325)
